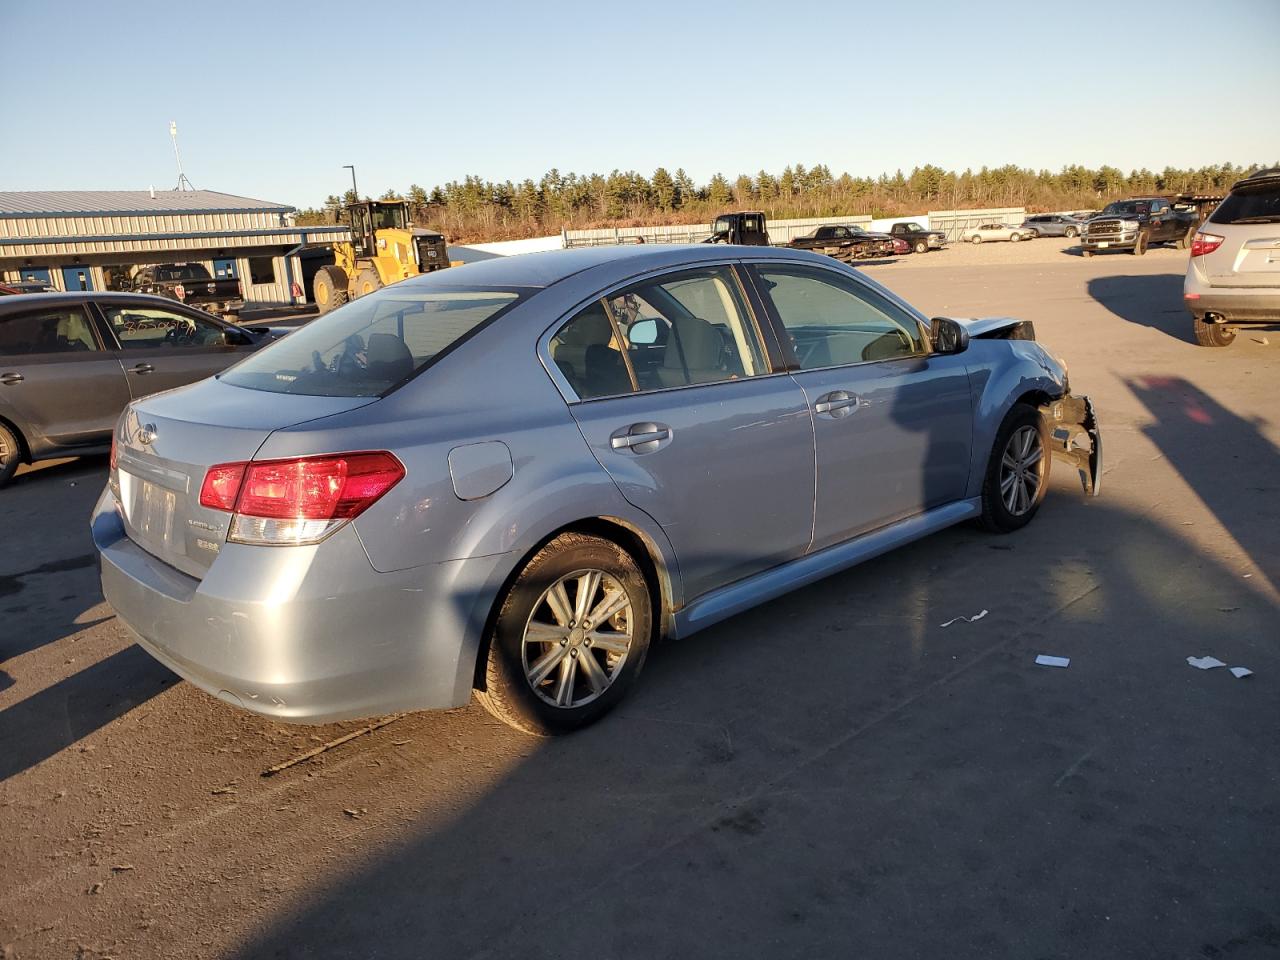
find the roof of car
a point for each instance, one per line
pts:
(78, 296)
(551, 266)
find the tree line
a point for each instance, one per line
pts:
(475, 209)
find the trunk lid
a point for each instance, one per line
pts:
(1248, 257)
(165, 444)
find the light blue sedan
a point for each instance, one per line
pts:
(512, 477)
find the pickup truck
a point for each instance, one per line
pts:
(191, 284)
(849, 242)
(919, 239)
(1136, 224)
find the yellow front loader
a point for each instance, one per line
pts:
(384, 249)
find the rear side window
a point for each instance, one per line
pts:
(1250, 204)
(50, 330)
(372, 344)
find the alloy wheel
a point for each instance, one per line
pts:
(1021, 470)
(577, 638)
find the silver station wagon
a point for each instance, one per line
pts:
(513, 477)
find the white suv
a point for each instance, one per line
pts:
(1233, 278)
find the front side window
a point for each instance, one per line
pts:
(50, 330)
(833, 321)
(146, 328)
(672, 331)
(370, 345)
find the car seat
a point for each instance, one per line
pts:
(695, 354)
(389, 358)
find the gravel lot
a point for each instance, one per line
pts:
(833, 774)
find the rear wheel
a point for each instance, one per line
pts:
(367, 281)
(1140, 245)
(1213, 334)
(330, 288)
(10, 454)
(921, 246)
(1017, 472)
(570, 638)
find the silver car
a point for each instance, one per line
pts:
(1053, 225)
(987, 232)
(514, 476)
(1233, 276)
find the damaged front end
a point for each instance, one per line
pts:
(1075, 437)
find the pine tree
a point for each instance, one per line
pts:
(718, 194)
(664, 189)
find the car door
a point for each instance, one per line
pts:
(713, 440)
(163, 347)
(57, 383)
(892, 421)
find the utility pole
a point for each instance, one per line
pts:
(348, 166)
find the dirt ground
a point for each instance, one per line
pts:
(832, 774)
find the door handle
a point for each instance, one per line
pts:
(640, 437)
(837, 403)
(142, 368)
(8, 379)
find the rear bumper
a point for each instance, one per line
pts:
(304, 634)
(1241, 306)
(1077, 438)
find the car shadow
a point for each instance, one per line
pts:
(1150, 300)
(56, 717)
(818, 768)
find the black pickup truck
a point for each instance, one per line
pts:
(1136, 224)
(191, 284)
(918, 238)
(846, 242)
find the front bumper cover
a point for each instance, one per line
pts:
(1076, 438)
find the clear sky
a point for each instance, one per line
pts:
(273, 98)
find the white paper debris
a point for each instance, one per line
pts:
(1239, 672)
(1047, 661)
(974, 619)
(1205, 663)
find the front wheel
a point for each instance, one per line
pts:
(1184, 241)
(1140, 245)
(570, 638)
(1086, 253)
(1014, 238)
(1072, 233)
(1213, 334)
(1017, 472)
(10, 454)
(921, 246)
(976, 239)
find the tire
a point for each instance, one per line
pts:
(1140, 245)
(1015, 237)
(329, 286)
(1086, 253)
(1008, 500)
(541, 706)
(1184, 241)
(921, 247)
(975, 239)
(1213, 334)
(1071, 233)
(10, 454)
(367, 281)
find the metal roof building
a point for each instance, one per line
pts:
(92, 239)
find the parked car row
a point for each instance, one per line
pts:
(70, 362)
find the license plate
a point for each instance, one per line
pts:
(1103, 244)
(150, 510)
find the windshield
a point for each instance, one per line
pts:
(370, 345)
(1128, 208)
(1258, 203)
(854, 228)
(181, 271)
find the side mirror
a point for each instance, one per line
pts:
(948, 336)
(643, 333)
(235, 338)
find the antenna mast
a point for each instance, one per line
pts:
(183, 182)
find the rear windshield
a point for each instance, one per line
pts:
(1258, 203)
(372, 344)
(182, 271)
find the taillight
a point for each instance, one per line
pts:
(221, 486)
(181, 291)
(1203, 243)
(301, 500)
